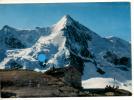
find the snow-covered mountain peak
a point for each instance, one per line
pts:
(68, 18)
(65, 21)
(66, 43)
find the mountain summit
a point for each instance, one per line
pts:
(63, 22)
(66, 20)
(68, 43)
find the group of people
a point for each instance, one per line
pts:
(108, 87)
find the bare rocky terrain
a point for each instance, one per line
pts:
(24, 83)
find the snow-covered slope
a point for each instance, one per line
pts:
(20, 38)
(64, 38)
(113, 76)
(67, 43)
(99, 82)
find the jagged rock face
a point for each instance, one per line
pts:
(14, 65)
(113, 58)
(13, 43)
(77, 38)
(8, 40)
(77, 35)
(77, 62)
(12, 38)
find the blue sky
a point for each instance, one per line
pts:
(106, 19)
